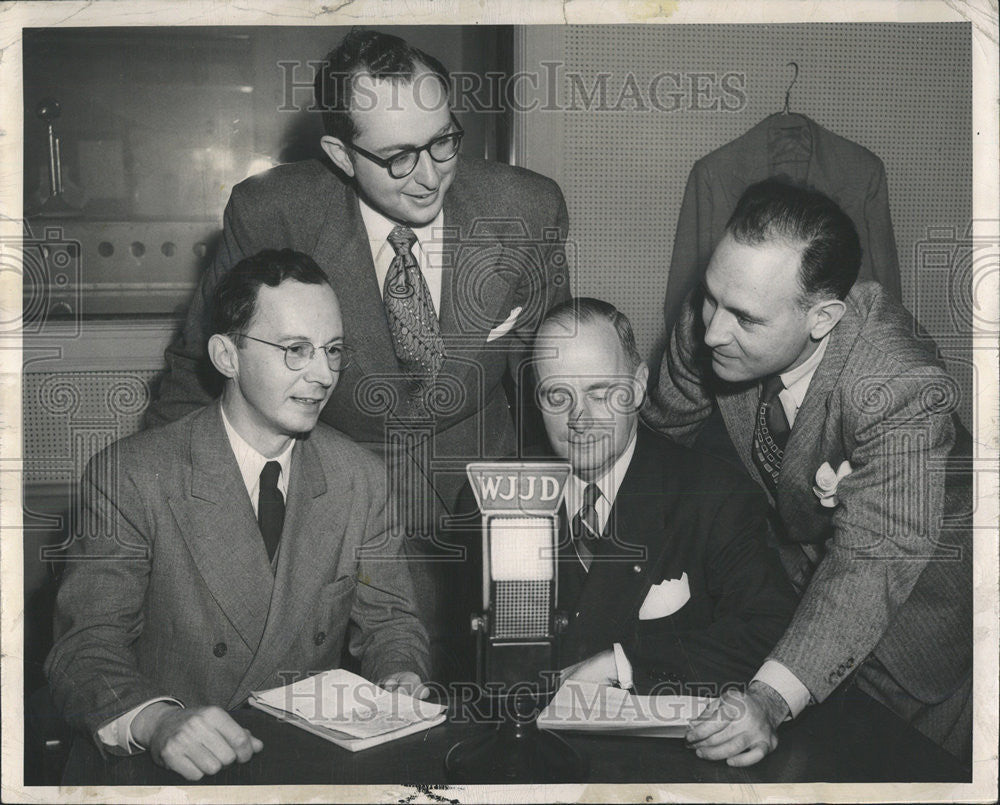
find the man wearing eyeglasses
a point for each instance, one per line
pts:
(228, 551)
(444, 265)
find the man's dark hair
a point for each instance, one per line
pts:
(235, 299)
(776, 209)
(583, 309)
(382, 56)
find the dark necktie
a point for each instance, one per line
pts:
(586, 525)
(270, 507)
(416, 331)
(770, 433)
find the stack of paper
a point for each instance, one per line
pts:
(601, 708)
(348, 710)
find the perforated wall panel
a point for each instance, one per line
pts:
(902, 91)
(69, 416)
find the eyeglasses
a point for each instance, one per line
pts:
(402, 164)
(301, 353)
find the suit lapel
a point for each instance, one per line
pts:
(805, 447)
(344, 252)
(473, 301)
(220, 530)
(739, 412)
(311, 541)
(634, 544)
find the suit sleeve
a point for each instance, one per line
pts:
(189, 381)
(680, 402)
(753, 602)
(92, 669)
(885, 528)
(390, 636)
(878, 238)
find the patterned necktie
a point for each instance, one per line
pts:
(416, 331)
(586, 526)
(770, 434)
(270, 507)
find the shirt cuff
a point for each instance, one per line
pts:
(623, 668)
(775, 675)
(117, 734)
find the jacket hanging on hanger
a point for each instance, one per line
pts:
(793, 145)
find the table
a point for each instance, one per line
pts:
(849, 738)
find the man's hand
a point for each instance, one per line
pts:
(739, 728)
(406, 682)
(193, 742)
(600, 668)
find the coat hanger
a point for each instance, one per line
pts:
(788, 91)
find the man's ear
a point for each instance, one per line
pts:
(640, 381)
(334, 148)
(224, 355)
(824, 316)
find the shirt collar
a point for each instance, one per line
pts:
(609, 483)
(796, 381)
(251, 462)
(378, 228)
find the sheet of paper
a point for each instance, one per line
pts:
(588, 705)
(348, 703)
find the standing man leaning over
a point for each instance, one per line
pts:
(233, 547)
(838, 407)
(444, 267)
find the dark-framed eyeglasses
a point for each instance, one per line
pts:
(403, 163)
(301, 353)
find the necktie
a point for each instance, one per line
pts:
(416, 331)
(586, 526)
(770, 434)
(270, 507)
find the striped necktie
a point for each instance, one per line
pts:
(586, 525)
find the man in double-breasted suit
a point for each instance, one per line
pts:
(486, 258)
(838, 408)
(664, 572)
(228, 551)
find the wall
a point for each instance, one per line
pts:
(902, 91)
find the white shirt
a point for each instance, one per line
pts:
(607, 483)
(796, 381)
(252, 462)
(117, 734)
(772, 672)
(428, 249)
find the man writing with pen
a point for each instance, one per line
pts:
(663, 567)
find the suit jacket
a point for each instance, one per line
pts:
(681, 512)
(881, 576)
(798, 147)
(168, 590)
(504, 249)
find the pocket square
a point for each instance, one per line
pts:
(504, 327)
(665, 598)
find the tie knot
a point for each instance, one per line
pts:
(269, 475)
(402, 239)
(591, 495)
(772, 387)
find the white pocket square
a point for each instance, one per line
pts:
(504, 327)
(665, 598)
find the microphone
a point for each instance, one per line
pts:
(518, 629)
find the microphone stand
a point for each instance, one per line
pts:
(515, 750)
